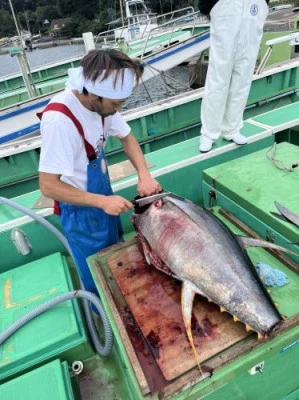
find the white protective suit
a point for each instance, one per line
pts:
(236, 31)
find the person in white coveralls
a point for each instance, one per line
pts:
(235, 35)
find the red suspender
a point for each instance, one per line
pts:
(91, 154)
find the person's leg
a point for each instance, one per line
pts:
(254, 15)
(223, 36)
(83, 269)
(87, 230)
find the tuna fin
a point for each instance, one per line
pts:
(188, 292)
(252, 242)
(288, 214)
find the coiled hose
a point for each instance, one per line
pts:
(102, 349)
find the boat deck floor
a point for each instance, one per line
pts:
(259, 180)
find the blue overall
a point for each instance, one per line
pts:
(89, 229)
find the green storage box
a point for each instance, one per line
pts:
(57, 332)
(49, 382)
(248, 187)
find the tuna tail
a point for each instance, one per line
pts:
(187, 296)
(252, 242)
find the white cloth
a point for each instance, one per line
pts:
(236, 31)
(110, 88)
(62, 150)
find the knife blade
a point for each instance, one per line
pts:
(146, 200)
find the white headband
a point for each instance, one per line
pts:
(123, 87)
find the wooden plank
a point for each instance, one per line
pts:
(123, 169)
(154, 300)
(43, 202)
(226, 358)
(127, 345)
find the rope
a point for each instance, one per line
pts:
(147, 92)
(163, 76)
(270, 154)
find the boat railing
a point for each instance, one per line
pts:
(172, 27)
(293, 40)
(173, 14)
(160, 20)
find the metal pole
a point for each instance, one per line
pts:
(15, 19)
(121, 12)
(23, 62)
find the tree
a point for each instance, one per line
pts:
(7, 26)
(46, 12)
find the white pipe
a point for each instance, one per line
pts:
(288, 38)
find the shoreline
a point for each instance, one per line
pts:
(45, 45)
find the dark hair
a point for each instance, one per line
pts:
(110, 60)
(86, 93)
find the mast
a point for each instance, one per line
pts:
(121, 12)
(23, 62)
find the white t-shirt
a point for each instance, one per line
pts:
(62, 149)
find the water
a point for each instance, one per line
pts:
(36, 58)
(173, 82)
(177, 79)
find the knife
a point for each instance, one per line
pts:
(146, 200)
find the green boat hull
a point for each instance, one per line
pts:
(164, 124)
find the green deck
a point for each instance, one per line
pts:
(279, 119)
(57, 332)
(49, 382)
(11, 218)
(256, 184)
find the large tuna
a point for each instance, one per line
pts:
(190, 244)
